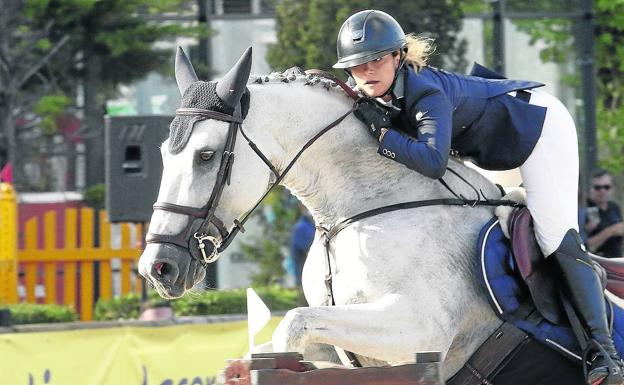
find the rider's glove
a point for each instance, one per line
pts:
(373, 116)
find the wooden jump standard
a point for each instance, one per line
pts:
(290, 369)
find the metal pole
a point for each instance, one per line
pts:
(498, 38)
(204, 44)
(587, 67)
(206, 8)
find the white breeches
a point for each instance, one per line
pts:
(550, 175)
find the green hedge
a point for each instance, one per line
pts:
(31, 314)
(124, 307)
(205, 303)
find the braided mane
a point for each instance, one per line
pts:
(294, 74)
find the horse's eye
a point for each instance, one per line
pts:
(205, 156)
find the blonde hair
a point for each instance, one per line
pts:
(419, 48)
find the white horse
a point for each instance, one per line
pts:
(403, 281)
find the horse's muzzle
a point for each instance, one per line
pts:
(170, 269)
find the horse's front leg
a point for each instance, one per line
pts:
(388, 329)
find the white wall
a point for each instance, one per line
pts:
(234, 36)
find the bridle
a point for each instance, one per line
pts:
(208, 245)
(207, 213)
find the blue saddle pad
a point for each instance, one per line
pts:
(506, 292)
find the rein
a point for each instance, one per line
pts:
(209, 246)
(210, 252)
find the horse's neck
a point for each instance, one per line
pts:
(341, 174)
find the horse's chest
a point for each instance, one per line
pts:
(356, 278)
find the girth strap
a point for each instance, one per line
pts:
(328, 234)
(331, 233)
(491, 355)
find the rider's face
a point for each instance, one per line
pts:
(376, 76)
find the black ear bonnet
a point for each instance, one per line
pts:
(199, 95)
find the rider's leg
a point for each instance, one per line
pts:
(550, 176)
(586, 294)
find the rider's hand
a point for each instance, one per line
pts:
(373, 116)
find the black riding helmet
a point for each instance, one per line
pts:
(368, 35)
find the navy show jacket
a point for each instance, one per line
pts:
(472, 115)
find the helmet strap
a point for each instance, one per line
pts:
(396, 73)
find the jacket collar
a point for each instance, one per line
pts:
(398, 92)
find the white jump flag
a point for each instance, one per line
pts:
(258, 315)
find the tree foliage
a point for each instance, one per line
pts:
(278, 214)
(307, 30)
(55, 47)
(50, 108)
(120, 34)
(558, 37)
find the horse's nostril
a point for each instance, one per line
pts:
(162, 268)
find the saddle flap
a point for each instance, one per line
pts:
(533, 267)
(614, 268)
(523, 244)
(508, 292)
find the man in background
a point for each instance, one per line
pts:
(604, 219)
(300, 242)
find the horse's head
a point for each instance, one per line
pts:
(197, 209)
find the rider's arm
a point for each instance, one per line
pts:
(616, 229)
(595, 241)
(428, 151)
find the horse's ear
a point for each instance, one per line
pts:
(184, 72)
(231, 87)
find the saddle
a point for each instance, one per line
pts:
(521, 287)
(538, 274)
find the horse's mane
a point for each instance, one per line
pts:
(295, 74)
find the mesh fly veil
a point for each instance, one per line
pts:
(198, 95)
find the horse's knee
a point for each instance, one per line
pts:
(290, 334)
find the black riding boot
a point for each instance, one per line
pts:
(586, 294)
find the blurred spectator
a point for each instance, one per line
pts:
(6, 174)
(300, 242)
(604, 218)
(153, 311)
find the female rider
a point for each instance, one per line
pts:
(421, 115)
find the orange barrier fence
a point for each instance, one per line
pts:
(66, 273)
(8, 244)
